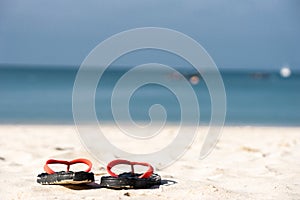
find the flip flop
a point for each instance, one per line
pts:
(129, 180)
(66, 177)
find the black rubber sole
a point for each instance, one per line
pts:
(129, 181)
(64, 178)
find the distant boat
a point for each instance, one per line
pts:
(194, 78)
(259, 75)
(285, 72)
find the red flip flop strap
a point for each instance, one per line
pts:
(113, 163)
(68, 163)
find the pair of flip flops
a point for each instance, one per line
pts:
(115, 181)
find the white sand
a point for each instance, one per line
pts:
(248, 163)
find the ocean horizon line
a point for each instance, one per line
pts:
(49, 67)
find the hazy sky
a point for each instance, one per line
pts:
(237, 34)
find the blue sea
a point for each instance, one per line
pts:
(43, 95)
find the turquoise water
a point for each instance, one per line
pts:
(44, 95)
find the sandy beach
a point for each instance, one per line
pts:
(247, 163)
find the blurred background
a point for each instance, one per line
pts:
(255, 45)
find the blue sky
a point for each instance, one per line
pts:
(237, 34)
